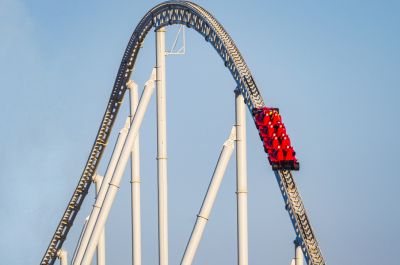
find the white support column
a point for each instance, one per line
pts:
(80, 239)
(101, 246)
(135, 183)
(209, 200)
(101, 194)
(63, 256)
(299, 259)
(113, 186)
(241, 179)
(161, 149)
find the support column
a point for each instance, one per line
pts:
(209, 200)
(241, 179)
(80, 239)
(299, 259)
(135, 183)
(101, 246)
(161, 149)
(113, 186)
(63, 256)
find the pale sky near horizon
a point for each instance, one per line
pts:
(331, 67)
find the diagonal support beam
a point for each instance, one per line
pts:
(100, 195)
(80, 239)
(209, 200)
(101, 246)
(113, 185)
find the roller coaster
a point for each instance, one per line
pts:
(272, 132)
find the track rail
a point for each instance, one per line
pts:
(297, 212)
(193, 16)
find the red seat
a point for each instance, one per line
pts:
(285, 141)
(279, 154)
(290, 154)
(275, 143)
(280, 128)
(270, 131)
(276, 117)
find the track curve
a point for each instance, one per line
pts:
(192, 16)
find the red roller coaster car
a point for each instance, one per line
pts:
(277, 145)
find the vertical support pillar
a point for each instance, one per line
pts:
(113, 186)
(209, 200)
(101, 246)
(135, 183)
(63, 256)
(161, 149)
(241, 179)
(299, 259)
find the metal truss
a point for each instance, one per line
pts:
(192, 16)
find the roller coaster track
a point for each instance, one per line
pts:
(193, 16)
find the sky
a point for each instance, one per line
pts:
(332, 67)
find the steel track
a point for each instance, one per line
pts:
(193, 16)
(297, 212)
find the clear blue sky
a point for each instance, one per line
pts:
(332, 67)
